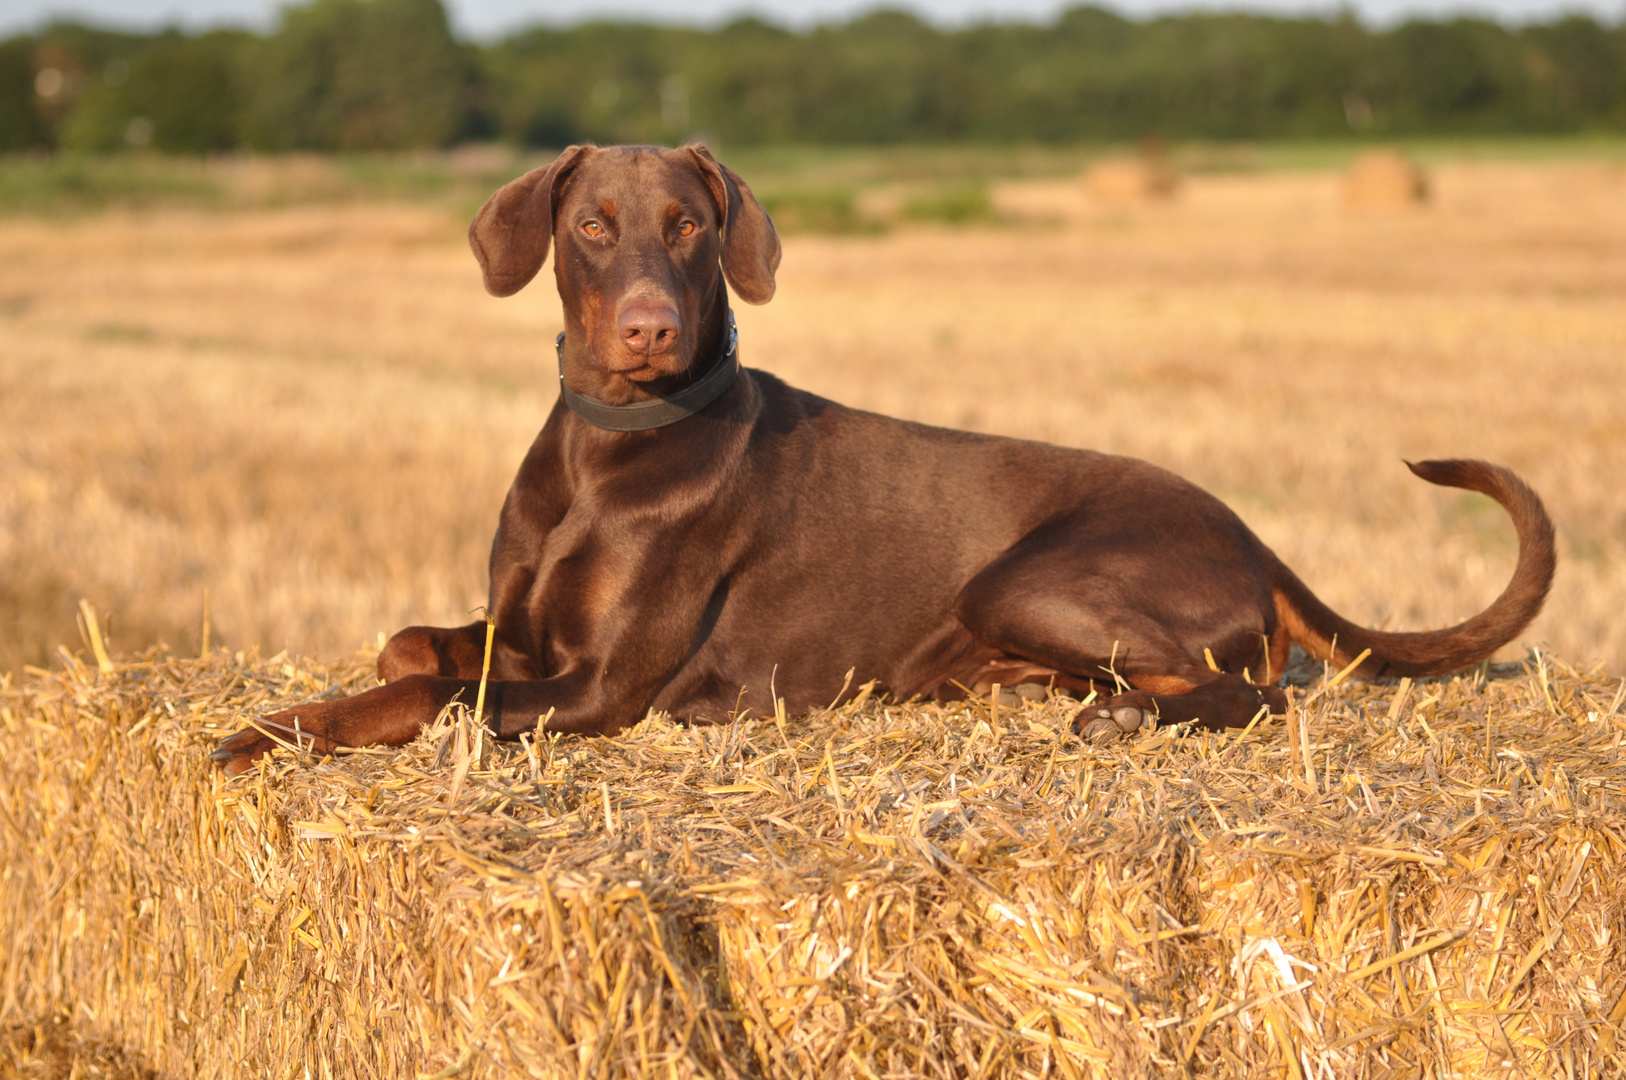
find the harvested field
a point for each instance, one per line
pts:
(312, 413)
(1423, 880)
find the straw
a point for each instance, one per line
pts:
(872, 890)
(93, 630)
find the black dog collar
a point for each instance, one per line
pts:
(647, 415)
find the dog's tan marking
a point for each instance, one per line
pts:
(1276, 652)
(1162, 684)
(1297, 629)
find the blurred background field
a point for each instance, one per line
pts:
(278, 381)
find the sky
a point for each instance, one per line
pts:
(490, 19)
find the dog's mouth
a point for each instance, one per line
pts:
(650, 370)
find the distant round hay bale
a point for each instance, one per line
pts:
(1131, 180)
(1381, 179)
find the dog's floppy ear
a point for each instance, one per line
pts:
(751, 250)
(510, 234)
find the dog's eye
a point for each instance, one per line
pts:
(687, 228)
(592, 228)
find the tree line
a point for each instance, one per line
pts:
(355, 75)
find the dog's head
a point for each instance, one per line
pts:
(645, 237)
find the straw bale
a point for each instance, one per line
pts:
(1384, 179)
(1145, 178)
(1421, 879)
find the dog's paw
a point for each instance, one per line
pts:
(1116, 718)
(237, 753)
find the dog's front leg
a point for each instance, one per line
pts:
(581, 701)
(389, 715)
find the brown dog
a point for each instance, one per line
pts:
(693, 537)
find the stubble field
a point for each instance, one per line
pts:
(312, 413)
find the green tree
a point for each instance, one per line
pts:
(180, 95)
(888, 77)
(21, 125)
(388, 75)
(1460, 75)
(737, 80)
(883, 78)
(359, 75)
(1577, 73)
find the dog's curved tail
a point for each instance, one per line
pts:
(1326, 635)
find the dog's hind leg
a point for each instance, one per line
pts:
(1158, 648)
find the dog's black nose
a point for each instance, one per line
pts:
(649, 329)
